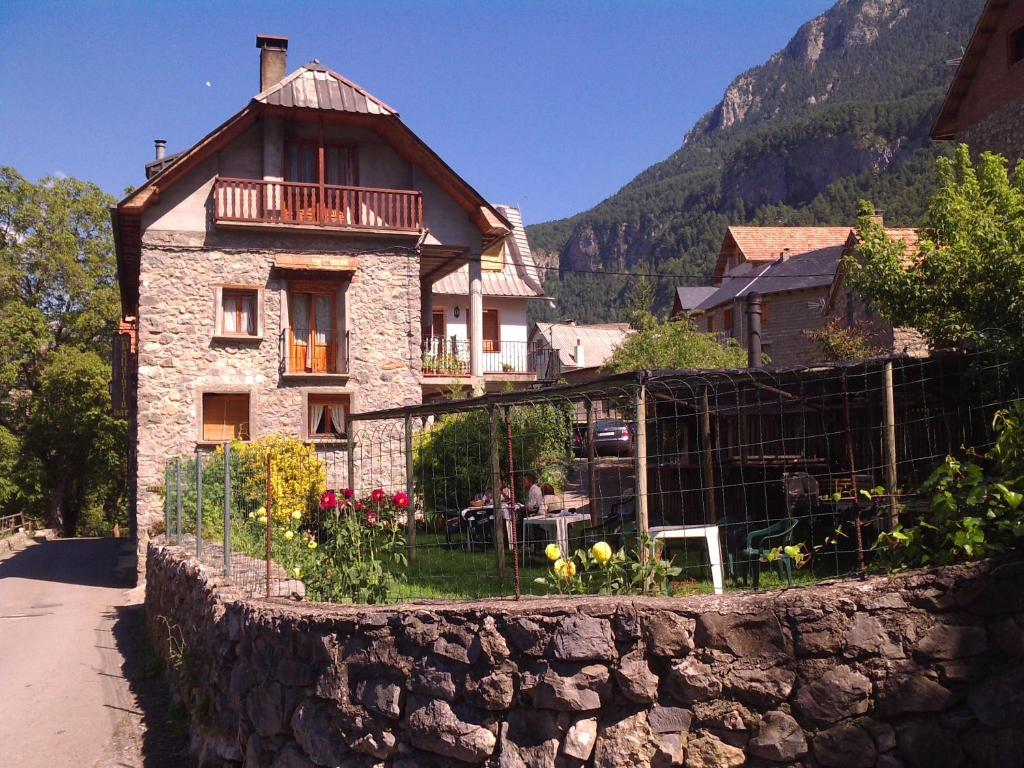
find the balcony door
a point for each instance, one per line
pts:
(317, 174)
(313, 342)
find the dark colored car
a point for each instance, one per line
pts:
(611, 436)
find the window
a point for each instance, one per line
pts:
(302, 163)
(326, 418)
(492, 331)
(225, 417)
(313, 338)
(727, 320)
(711, 323)
(766, 312)
(1016, 46)
(239, 310)
(493, 259)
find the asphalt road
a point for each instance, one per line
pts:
(62, 690)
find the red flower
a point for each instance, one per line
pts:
(359, 506)
(371, 517)
(328, 500)
(377, 495)
(401, 500)
(347, 493)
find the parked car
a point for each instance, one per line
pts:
(611, 437)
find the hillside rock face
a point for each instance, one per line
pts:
(841, 113)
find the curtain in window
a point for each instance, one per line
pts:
(338, 417)
(324, 319)
(300, 330)
(230, 324)
(248, 314)
(316, 415)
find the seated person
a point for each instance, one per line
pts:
(534, 494)
(552, 503)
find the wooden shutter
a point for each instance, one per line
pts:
(727, 320)
(225, 417)
(492, 331)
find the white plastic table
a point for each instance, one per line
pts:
(710, 535)
(560, 522)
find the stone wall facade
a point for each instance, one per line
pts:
(180, 358)
(1001, 131)
(921, 670)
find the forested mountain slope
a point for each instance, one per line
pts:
(841, 113)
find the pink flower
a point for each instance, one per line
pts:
(377, 495)
(348, 493)
(401, 500)
(371, 517)
(359, 506)
(328, 500)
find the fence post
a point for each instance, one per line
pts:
(512, 500)
(595, 515)
(707, 450)
(641, 462)
(227, 510)
(168, 500)
(890, 444)
(499, 509)
(177, 493)
(199, 506)
(753, 330)
(270, 520)
(409, 489)
(350, 457)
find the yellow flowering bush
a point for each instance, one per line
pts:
(297, 475)
(604, 571)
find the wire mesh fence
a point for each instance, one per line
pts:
(751, 478)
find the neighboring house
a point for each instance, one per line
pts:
(797, 272)
(278, 275)
(984, 106)
(688, 299)
(510, 282)
(580, 350)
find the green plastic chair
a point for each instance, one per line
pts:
(763, 541)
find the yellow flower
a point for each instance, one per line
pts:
(553, 552)
(263, 520)
(261, 512)
(252, 515)
(297, 572)
(289, 535)
(601, 552)
(565, 569)
(311, 544)
(296, 515)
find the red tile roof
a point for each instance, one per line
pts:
(767, 243)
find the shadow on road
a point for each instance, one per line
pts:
(157, 737)
(67, 561)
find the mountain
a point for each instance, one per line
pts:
(840, 114)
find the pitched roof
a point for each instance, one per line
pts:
(908, 235)
(945, 126)
(767, 243)
(811, 269)
(691, 297)
(599, 341)
(519, 277)
(314, 86)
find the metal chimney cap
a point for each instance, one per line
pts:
(272, 41)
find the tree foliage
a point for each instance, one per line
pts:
(58, 311)
(964, 284)
(676, 344)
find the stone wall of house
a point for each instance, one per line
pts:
(921, 670)
(1001, 131)
(179, 358)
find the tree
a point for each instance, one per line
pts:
(668, 345)
(964, 285)
(58, 312)
(640, 303)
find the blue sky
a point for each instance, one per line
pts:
(549, 105)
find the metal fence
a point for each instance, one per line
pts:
(724, 470)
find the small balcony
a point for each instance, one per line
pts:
(255, 202)
(449, 357)
(313, 352)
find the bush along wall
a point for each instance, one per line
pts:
(922, 669)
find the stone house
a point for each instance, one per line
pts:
(984, 105)
(798, 273)
(579, 348)
(278, 275)
(510, 281)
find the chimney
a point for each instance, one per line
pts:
(273, 59)
(876, 218)
(161, 148)
(579, 356)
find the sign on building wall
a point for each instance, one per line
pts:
(121, 383)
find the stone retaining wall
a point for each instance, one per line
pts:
(920, 670)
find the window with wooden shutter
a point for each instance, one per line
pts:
(727, 320)
(225, 417)
(239, 312)
(766, 312)
(711, 323)
(492, 331)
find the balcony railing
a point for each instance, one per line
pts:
(256, 201)
(449, 356)
(305, 351)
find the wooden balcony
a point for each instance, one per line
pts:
(285, 203)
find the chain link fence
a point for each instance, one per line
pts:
(748, 478)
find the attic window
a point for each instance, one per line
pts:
(493, 259)
(1016, 46)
